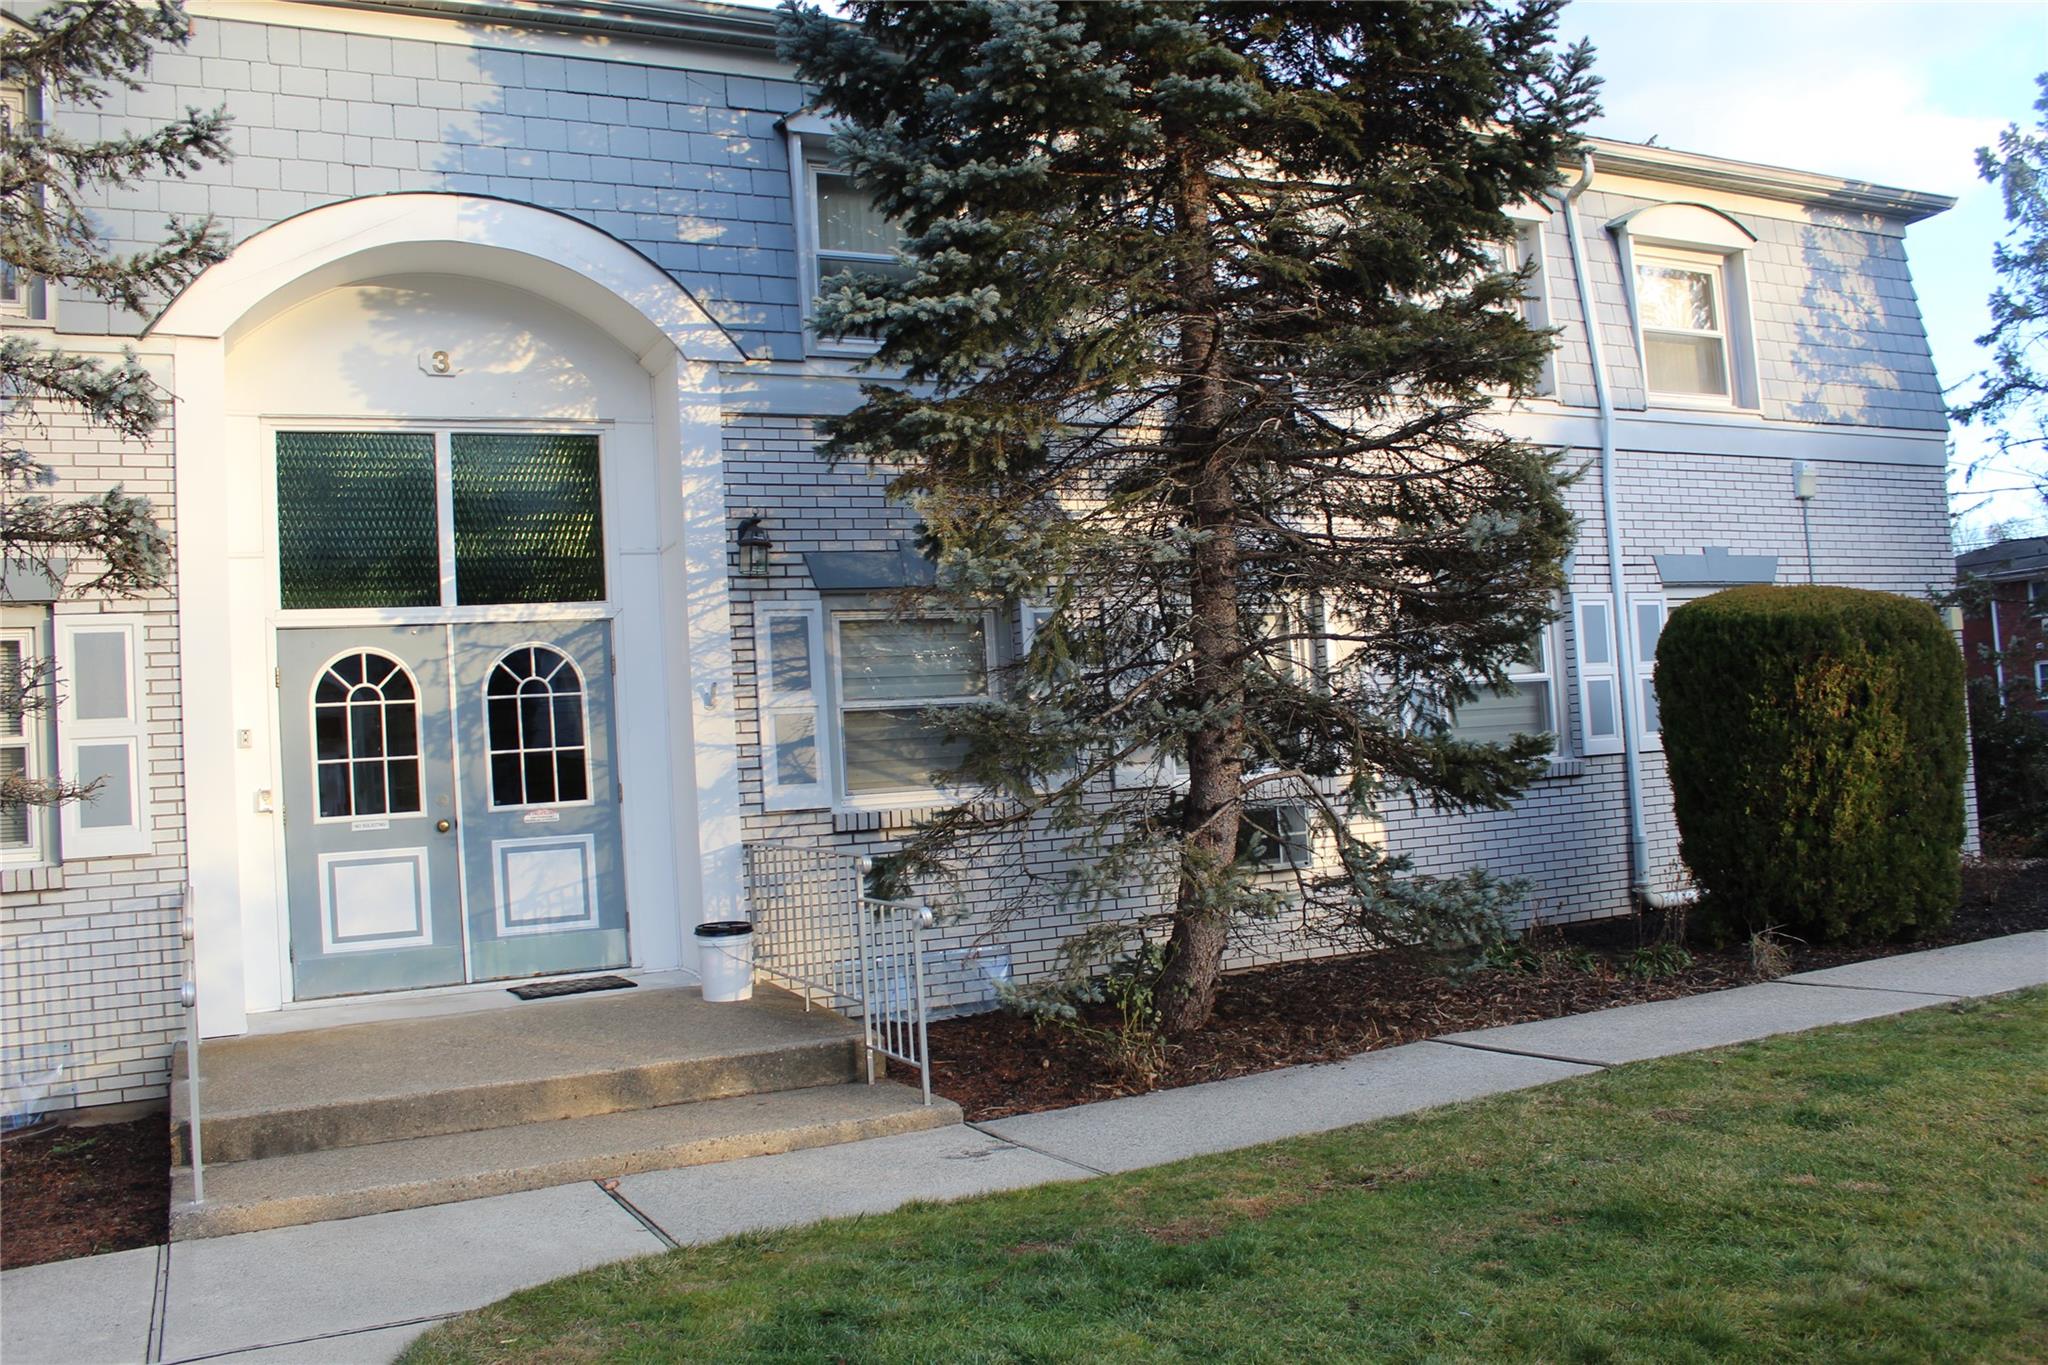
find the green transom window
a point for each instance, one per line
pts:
(359, 519)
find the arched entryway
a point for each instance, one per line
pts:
(436, 439)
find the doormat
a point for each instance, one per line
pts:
(548, 990)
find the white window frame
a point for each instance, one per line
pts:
(807, 701)
(2041, 682)
(1593, 674)
(1646, 665)
(1715, 270)
(31, 635)
(1695, 236)
(29, 305)
(1523, 245)
(448, 611)
(1292, 845)
(809, 156)
(1545, 672)
(137, 837)
(903, 796)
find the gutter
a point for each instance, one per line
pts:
(697, 22)
(1810, 189)
(1624, 618)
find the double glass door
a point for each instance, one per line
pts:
(451, 805)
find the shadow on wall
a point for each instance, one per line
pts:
(687, 167)
(1855, 353)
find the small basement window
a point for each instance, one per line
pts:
(1274, 836)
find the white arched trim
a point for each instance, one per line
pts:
(560, 258)
(1689, 225)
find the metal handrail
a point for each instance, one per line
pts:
(188, 996)
(818, 933)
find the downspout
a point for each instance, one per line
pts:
(1624, 618)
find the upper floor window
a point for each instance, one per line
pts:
(1513, 253)
(1682, 301)
(21, 298)
(852, 234)
(1687, 271)
(839, 229)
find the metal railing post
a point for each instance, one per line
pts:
(921, 920)
(866, 969)
(188, 996)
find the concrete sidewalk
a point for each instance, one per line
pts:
(360, 1289)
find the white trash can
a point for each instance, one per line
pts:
(725, 959)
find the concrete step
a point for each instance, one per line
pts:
(287, 1093)
(345, 1182)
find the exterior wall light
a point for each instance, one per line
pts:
(755, 546)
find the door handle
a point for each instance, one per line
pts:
(443, 826)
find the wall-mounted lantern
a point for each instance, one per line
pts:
(755, 545)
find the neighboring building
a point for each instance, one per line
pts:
(2005, 634)
(459, 676)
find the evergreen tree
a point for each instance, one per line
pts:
(75, 52)
(1203, 315)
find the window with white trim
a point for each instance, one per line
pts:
(24, 737)
(1682, 301)
(839, 228)
(1524, 706)
(1650, 615)
(21, 297)
(1275, 836)
(852, 235)
(1513, 253)
(1599, 676)
(100, 737)
(891, 671)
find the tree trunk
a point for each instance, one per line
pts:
(1201, 928)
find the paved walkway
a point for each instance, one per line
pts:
(360, 1289)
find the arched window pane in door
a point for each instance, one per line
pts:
(366, 738)
(534, 709)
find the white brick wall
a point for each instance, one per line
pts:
(90, 954)
(1874, 526)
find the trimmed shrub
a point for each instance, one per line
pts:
(1815, 741)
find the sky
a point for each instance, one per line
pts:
(1899, 94)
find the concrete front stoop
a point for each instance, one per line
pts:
(299, 1127)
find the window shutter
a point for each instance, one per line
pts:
(789, 647)
(1650, 613)
(100, 737)
(1599, 676)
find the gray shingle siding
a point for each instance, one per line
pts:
(687, 167)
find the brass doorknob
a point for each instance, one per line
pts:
(444, 825)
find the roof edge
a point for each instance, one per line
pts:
(1810, 188)
(690, 21)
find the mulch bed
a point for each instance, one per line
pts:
(999, 1064)
(84, 1189)
(81, 1190)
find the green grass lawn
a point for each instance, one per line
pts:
(1876, 1192)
